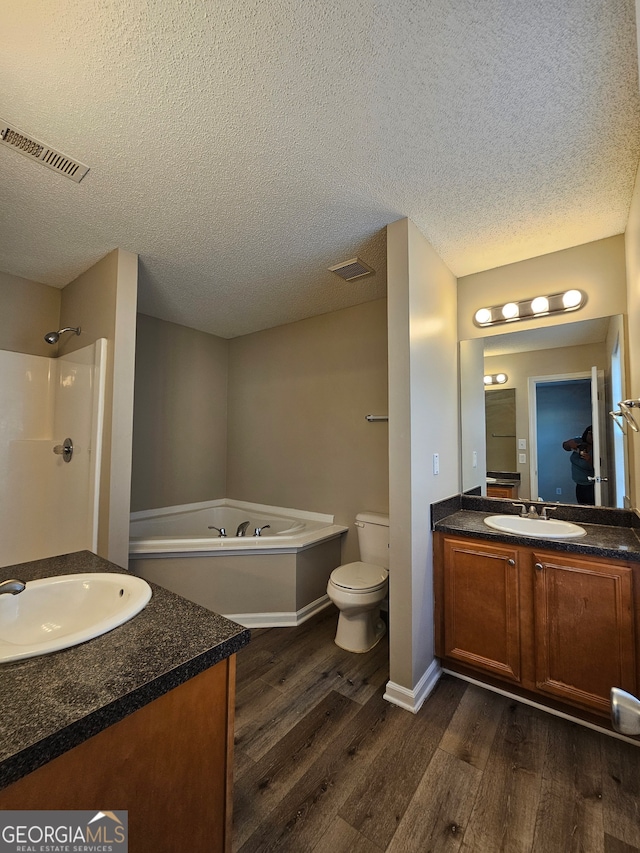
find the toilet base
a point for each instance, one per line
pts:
(359, 632)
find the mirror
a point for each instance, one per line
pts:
(513, 421)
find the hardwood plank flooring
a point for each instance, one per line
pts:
(324, 764)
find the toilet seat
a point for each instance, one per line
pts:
(360, 577)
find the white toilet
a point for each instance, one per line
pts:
(358, 589)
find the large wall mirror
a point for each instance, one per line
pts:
(560, 380)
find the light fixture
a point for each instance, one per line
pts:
(525, 309)
(496, 379)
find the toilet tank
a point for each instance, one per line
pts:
(373, 538)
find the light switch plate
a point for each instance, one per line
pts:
(522, 444)
(522, 458)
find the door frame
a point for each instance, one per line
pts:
(533, 383)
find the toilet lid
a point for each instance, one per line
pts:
(359, 576)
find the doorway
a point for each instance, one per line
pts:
(561, 407)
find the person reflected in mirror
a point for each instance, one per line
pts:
(581, 459)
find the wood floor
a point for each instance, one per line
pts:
(324, 764)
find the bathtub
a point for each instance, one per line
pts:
(276, 579)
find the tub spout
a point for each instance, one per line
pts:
(220, 530)
(242, 528)
(12, 586)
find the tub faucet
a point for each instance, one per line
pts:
(242, 528)
(258, 530)
(220, 530)
(12, 586)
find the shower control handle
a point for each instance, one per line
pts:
(65, 449)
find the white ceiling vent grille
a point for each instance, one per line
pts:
(354, 268)
(46, 155)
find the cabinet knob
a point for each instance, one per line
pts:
(511, 562)
(539, 566)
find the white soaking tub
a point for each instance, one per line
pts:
(278, 578)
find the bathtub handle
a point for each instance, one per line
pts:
(258, 530)
(220, 530)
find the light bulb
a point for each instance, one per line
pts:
(572, 298)
(501, 378)
(510, 310)
(488, 380)
(482, 316)
(540, 305)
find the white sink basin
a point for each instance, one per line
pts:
(59, 612)
(537, 528)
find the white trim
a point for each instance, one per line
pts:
(413, 700)
(541, 707)
(533, 420)
(284, 619)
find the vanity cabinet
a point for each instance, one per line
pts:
(481, 623)
(169, 764)
(557, 625)
(501, 491)
(583, 628)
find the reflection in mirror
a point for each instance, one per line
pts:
(544, 363)
(500, 427)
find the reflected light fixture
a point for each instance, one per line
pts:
(496, 379)
(526, 309)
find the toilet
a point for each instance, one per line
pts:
(358, 589)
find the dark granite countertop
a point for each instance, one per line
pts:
(50, 704)
(611, 533)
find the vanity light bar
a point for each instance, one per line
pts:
(496, 379)
(539, 306)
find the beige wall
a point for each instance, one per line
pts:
(29, 311)
(597, 268)
(102, 301)
(423, 420)
(298, 396)
(180, 416)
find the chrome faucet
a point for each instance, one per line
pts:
(531, 513)
(222, 532)
(12, 586)
(242, 528)
(258, 530)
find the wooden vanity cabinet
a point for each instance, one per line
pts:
(169, 764)
(481, 623)
(553, 624)
(501, 491)
(584, 628)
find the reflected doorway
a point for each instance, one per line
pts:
(563, 411)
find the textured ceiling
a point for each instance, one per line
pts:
(241, 147)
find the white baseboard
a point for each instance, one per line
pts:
(507, 694)
(412, 700)
(286, 619)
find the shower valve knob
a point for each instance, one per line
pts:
(65, 450)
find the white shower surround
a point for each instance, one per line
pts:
(276, 579)
(47, 506)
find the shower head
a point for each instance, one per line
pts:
(54, 337)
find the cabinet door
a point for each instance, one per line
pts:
(480, 592)
(584, 629)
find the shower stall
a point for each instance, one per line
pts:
(49, 497)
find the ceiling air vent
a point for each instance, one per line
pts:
(46, 155)
(348, 270)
